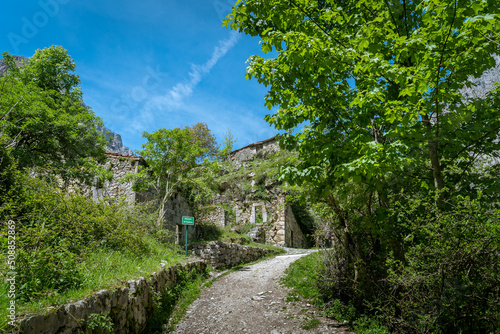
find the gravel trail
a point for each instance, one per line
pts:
(251, 300)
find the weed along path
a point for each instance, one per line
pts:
(251, 300)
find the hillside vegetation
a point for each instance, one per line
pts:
(60, 244)
(400, 159)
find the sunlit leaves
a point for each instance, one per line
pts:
(408, 62)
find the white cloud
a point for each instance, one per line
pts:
(175, 96)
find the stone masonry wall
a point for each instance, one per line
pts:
(248, 153)
(128, 307)
(278, 214)
(222, 255)
(213, 214)
(276, 235)
(294, 237)
(120, 166)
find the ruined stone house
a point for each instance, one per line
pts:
(275, 218)
(121, 165)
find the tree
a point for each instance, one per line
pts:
(201, 133)
(43, 121)
(378, 81)
(169, 155)
(379, 85)
(229, 141)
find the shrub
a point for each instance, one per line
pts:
(450, 282)
(55, 231)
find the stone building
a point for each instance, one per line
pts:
(116, 188)
(249, 152)
(273, 216)
(120, 165)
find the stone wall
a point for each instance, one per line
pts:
(294, 237)
(222, 255)
(276, 217)
(261, 148)
(128, 307)
(120, 165)
(213, 214)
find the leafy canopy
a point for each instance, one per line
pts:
(43, 121)
(170, 156)
(379, 83)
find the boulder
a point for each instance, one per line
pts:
(257, 234)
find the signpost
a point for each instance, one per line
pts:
(187, 221)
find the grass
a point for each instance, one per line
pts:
(302, 278)
(109, 269)
(172, 304)
(187, 297)
(102, 269)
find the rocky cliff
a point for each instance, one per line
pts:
(485, 83)
(17, 59)
(115, 142)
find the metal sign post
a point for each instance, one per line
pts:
(187, 221)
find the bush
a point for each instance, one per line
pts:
(450, 282)
(55, 231)
(445, 277)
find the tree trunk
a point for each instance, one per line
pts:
(433, 154)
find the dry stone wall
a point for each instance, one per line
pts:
(120, 165)
(222, 255)
(276, 218)
(128, 307)
(261, 148)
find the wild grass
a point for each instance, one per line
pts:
(102, 269)
(302, 278)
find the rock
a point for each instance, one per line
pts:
(257, 234)
(115, 142)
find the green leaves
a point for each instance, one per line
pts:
(406, 61)
(43, 119)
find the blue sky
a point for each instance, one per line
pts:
(149, 64)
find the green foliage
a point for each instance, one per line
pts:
(305, 278)
(172, 302)
(380, 86)
(228, 145)
(208, 232)
(310, 323)
(302, 277)
(169, 155)
(450, 281)
(202, 136)
(407, 62)
(99, 323)
(43, 121)
(366, 325)
(266, 170)
(56, 231)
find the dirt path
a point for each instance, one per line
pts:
(251, 300)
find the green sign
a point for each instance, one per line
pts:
(187, 220)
